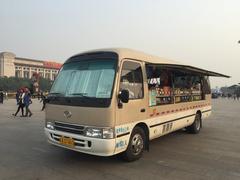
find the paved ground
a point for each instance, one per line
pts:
(212, 154)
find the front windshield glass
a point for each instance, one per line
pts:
(86, 78)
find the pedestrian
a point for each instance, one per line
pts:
(229, 95)
(1, 97)
(6, 95)
(17, 95)
(27, 101)
(234, 96)
(20, 103)
(43, 100)
(39, 95)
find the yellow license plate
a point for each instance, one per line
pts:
(67, 141)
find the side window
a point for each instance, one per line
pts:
(182, 87)
(132, 79)
(206, 85)
(187, 87)
(160, 87)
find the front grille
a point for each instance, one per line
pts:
(71, 128)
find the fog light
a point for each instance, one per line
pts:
(108, 133)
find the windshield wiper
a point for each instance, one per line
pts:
(55, 93)
(79, 94)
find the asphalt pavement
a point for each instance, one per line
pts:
(214, 154)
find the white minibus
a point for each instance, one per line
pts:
(110, 101)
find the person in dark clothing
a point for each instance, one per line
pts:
(20, 103)
(27, 101)
(43, 100)
(17, 95)
(38, 96)
(1, 97)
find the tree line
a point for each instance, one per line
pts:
(12, 84)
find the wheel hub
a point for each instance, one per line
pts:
(137, 144)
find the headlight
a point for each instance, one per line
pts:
(50, 125)
(94, 132)
(105, 133)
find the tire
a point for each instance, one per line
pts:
(196, 125)
(136, 145)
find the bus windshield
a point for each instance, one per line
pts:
(92, 78)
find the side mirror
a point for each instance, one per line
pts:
(124, 96)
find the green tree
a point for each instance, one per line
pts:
(14, 83)
(45, 84)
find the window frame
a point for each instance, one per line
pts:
(89, 102)
(191, 94)
(120, 76)
(173, 74)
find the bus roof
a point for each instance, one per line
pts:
(150, 59)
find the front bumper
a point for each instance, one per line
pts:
(94, 146)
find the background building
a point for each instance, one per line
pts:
(12, 66)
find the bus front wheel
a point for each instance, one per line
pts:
(136, 145)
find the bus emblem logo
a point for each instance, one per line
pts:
(67, 114)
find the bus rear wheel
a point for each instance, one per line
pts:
(136, 145)
(196, 126)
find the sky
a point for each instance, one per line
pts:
(202, 33)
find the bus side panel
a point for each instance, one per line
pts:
(168, 118)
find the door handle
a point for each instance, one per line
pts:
(143, 110)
